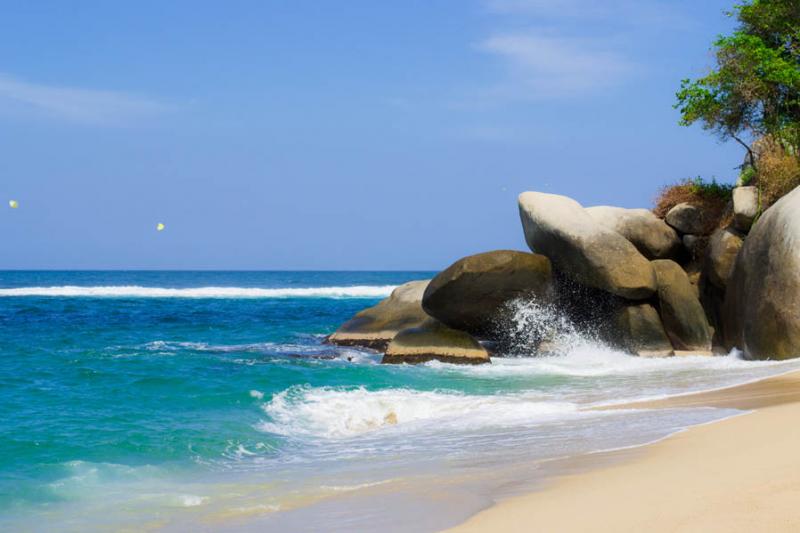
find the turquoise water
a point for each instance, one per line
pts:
(155, 400)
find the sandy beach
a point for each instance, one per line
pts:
(738, 474)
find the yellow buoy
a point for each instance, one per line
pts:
(160, 227)
(13, 204)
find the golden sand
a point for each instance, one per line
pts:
(741, 474)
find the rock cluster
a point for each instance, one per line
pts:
(376, 326)
(649, 286)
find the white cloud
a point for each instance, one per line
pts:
(88, 106)
(548, 66)
(575, 47)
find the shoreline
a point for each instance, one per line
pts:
(738, 473)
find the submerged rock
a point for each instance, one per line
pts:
(582, 249)
(682, 315)
(375, 326)
(433, 341)
(471, 293)
(687, 218)
(762, 301)
(637, 329)
(745, 207)
(653, 237)
(723, 247)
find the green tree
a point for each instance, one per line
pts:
(754, 91)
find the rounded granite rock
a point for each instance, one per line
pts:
(723, 247)
(762, 301)
(745, 207)
(681, 313)
(687, 218)
(637, 328)
(472, 293)
(653, 237)
(376, 326)
(583, 250)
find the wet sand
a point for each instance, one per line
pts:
(738, 474)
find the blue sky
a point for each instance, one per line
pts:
(333, 135)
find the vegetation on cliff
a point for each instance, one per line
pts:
(751, 96)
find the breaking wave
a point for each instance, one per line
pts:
(134, 291)
(332, 413)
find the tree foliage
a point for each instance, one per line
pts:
(754, 91)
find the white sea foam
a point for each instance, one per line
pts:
(134, 291)
(335, 413)
(597, 361)
(610, 376)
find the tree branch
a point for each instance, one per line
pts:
(749, 151)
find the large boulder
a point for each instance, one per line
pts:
(745, 207)
(648, 233)
(470, 294)
(762, 301)
(582, 249)
(375, 326)
(637, 329)
(723, 247)
(683, 317)
(431, 341)
(687, 218)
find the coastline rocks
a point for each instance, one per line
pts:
(687, 218)
(431, 341)
(469, 295)
(580, 248)
(375, 326)
(745, 207)
(723, 247)
(648, 233)
(762, 302)
(637, 329)
(683, 317)
(692, 244)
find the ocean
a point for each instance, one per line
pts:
(170, 401)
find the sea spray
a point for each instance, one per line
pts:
(528, 326)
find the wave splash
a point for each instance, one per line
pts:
(135, 291)
(335, 413)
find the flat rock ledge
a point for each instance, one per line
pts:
(433, 341)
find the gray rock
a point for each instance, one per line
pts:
(723, 247)
(637, 329)
(762, 302)
(687, 218)
(375, 326)
(470, 294)
(431, 341)
(683, 317)
(648, 233)
(745, 207)
(582, 249)
(692, 244)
